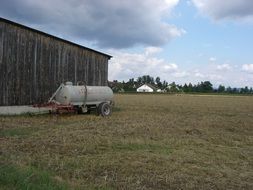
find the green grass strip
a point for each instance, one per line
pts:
(12, 177)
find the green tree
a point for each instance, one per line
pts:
(139, 80)
(145, 79)
(173, 87)
(229, 90)
(158, 82)
(221, 88)
(206, 86)
(131, 81)
(165, 84)
(190, 87)
(235, 90)
(246, 90)
(185, 88)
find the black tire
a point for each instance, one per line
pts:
(98, 109)
(88, 112)
(79, 110)
(104, 109)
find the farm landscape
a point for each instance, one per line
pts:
(188, 128)
(151, 141)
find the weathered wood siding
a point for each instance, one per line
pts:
(33, 65)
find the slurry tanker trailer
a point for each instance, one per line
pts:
(82, 98)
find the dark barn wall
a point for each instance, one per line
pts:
(34, 64)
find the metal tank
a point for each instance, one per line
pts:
(84, 98)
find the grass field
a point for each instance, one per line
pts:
(149, 142)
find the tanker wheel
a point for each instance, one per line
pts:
(104, 109)
(79, 110)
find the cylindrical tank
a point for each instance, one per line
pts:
(77, 95)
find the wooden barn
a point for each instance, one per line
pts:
(33, 64)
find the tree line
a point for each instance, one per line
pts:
(202, 87)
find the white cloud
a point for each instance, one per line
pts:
(107, 24)
(181, 74)
(131, 65)
(247, 68)
(228, 9)
(215, 77)
(207, 75)
(212, 59)
(170, 67)
(223, 67)
(149, 51)
(197, 74)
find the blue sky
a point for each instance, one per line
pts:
(179, 40)
(225, 40)
(209, 44)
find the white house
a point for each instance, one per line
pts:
(145, 88)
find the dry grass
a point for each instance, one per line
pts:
(149, 142)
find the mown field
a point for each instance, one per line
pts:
(149, 142)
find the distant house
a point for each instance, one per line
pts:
(172, 88)
(160, 90)
(147, 88)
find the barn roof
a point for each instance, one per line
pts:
(149, 85)
(49, 35)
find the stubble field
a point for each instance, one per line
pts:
(150, 141)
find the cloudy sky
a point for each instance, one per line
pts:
(178, 40)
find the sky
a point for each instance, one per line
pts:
(178, 40)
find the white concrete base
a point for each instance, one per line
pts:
(18, 110)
